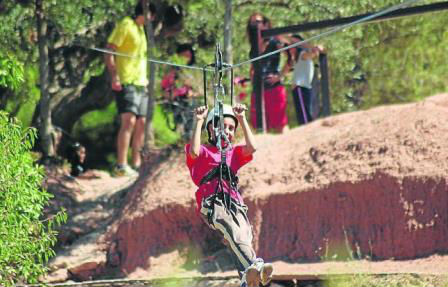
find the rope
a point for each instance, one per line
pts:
(332, 31)
(106, 51)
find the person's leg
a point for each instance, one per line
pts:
(276, 103)
(307, 94)
(237, 234)
(137, 141)
(295, 99)
(124, 137)
(302, 105)
(234, 226)
(127, 105)
(138, 137)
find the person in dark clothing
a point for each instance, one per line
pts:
(76, 155)
(275, 96)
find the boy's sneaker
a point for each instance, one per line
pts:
(124, 170)
(266, 273)
(251, 277)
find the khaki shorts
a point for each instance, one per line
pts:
(132, 99)
(233, 225)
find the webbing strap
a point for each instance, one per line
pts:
(222, 172)
(227, 174)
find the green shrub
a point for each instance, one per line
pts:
(25, 239)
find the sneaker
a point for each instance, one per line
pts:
(251, 277)
(124, 170)
(266, 273)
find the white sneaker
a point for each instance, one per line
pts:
(251, 277)
(124, 170)
(266, 273)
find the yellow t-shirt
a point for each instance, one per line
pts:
(130, 39)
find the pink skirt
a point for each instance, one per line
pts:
(275, 101)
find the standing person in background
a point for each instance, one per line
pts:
(302, 79)
(177, 86)
(129, 80)
(275, 96)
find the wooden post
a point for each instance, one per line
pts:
(149, 132)
(257, 81)
(325, 85)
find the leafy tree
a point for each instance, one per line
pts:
(11, 72)
(37, 30)
(25, 239)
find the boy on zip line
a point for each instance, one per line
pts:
(218, 200)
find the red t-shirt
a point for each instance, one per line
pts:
(209, 158)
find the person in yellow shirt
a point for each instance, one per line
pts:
(129, 79)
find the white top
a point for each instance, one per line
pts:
(303, 72)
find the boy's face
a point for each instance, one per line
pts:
(229, 129)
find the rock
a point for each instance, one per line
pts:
(86, 271)
(60, 275)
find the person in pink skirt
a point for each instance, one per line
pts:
(275, 95)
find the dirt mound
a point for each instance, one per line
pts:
(365, 184)
(370, 184)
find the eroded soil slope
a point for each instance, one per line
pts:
(365, 184)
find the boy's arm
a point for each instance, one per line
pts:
(250, 147)
(195, 143)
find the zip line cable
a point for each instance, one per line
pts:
(106, 51)
(230, 66)
(327, 33)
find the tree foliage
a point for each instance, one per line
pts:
(25, 239)
(370, 64)
(11, 72)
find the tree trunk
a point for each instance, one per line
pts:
(150, 40)
(96, 95)
(45, 126)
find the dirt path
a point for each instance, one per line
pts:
(92, 203)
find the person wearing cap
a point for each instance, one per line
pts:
(218, 200)
(275, 96)
(128, 82)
